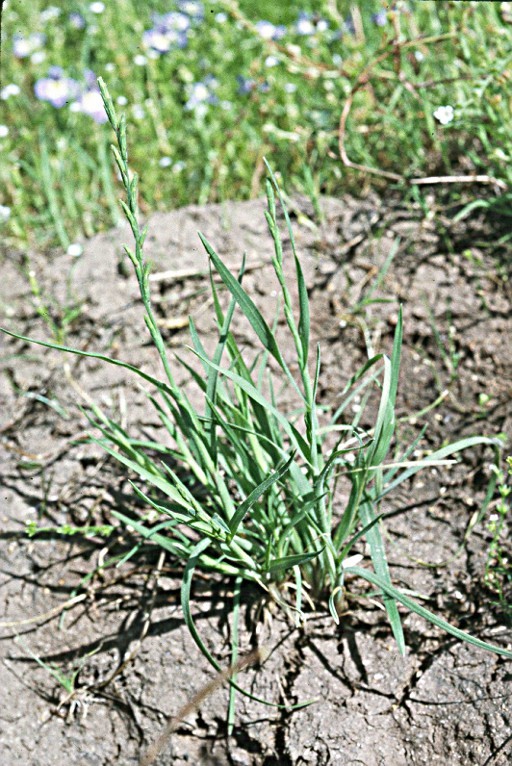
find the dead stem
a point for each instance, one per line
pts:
(57, 610)
(158, 745)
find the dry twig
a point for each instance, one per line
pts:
(156, 748)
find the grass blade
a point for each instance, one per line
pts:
(186, 586)
(256, 494)
(288, 562)
(408, 602)
(297, 440)
(93, 355)
(247, 305)
(380, 563)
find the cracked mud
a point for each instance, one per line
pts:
(444, 703)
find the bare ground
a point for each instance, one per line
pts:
(444, 702)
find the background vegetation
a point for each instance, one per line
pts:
(212, 88)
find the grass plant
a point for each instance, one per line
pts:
(244, 489)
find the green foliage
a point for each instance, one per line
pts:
(56, 178)
(57, 317)
(68, 530)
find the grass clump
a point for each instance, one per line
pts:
(243, 489)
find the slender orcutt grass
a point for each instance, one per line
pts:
(245, 491)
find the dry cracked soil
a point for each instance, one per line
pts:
(121, 629)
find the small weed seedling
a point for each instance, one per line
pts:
(66, 680)
(445, 343)
(58, 317)
(250, 493)
(498, 567)
(74, 697)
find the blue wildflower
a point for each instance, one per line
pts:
(169, 31)
(380, 18)
(23, 47)
(77, 20)
(172, 22)
(200, 94)
(192, 8)
(162, 42)
(349, 25)
(269, 31)
(310, 24)
(57, 89)
(246, 86)
(90, 101)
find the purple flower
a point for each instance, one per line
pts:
(56, 88)
(349, 25)
(77, 20)
(192, 8)
(90, 79)
(23, 47)
(89, 100)
(246, 86)
(380, 18)
(162, 41)
(169, 31)
(91, 103)
(173, 21)
(269, 31)
(310, 24)
(55, 72)
(201, 94)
